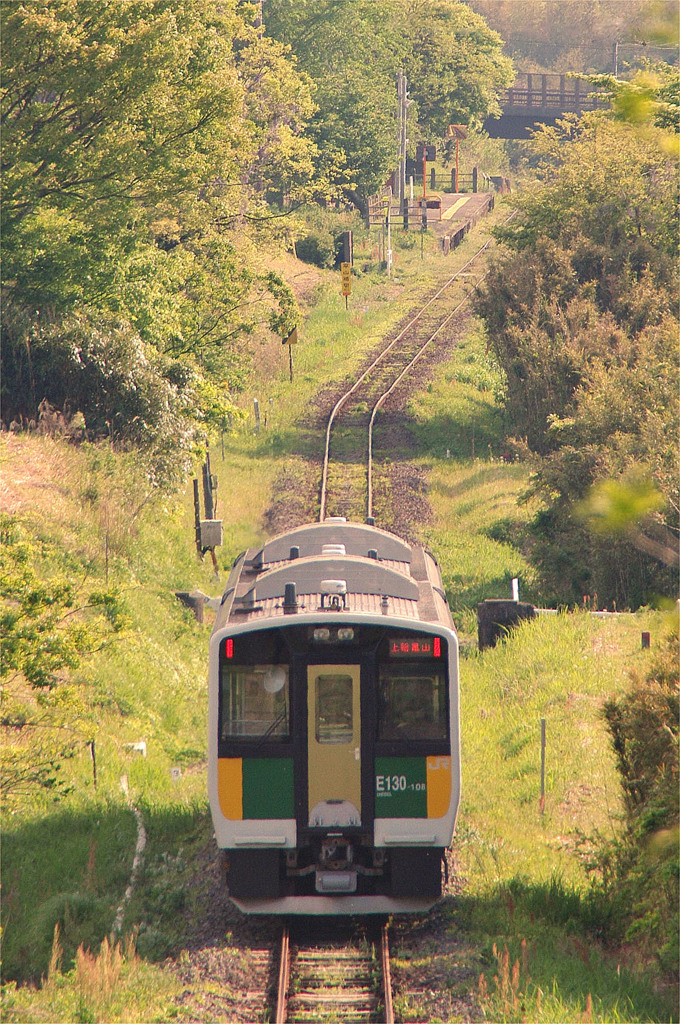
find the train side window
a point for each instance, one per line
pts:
(412, 703)
(254, 702)
(334, 709)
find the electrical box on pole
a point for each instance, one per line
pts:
(425, 152)
(348, 247)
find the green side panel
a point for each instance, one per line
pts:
(401, 787)
(268, 787)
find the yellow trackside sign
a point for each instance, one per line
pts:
(346, 275)
(291, 339)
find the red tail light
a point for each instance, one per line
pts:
(229, 648)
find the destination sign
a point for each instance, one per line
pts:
(415, 647)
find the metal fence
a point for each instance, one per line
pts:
(410, 210)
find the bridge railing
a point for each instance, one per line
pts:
(539, 91)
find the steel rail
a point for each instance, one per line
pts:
(284, 978)
(386, 976)
(341, 401)
(386, 394)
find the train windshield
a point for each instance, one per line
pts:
(412, 702)
(254, 702)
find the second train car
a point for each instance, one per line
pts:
(334, 750)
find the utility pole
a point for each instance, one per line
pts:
(404, 104)
(403, 107)
(399, 88)
(389, 240)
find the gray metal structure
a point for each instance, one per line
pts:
(382, 575)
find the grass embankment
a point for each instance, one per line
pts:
(527, 906)
(68, 864)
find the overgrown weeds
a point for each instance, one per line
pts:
(640, 889)
(542, 961)
(103, 987)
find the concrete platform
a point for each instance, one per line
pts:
(459, 213)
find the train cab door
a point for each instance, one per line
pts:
(334, 745)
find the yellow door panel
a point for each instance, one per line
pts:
(230, 787)
(334, 744)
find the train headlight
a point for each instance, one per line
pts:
(345, 634)
(321, 635)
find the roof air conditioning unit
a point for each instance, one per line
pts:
(333, 550)
(333, 586)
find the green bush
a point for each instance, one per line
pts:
(642, 887)
(123, 389)
(318, 247)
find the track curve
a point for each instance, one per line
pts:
(389, 368)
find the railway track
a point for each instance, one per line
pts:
(347, 480)
(334, 978)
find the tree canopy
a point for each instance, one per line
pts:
(582, 313)
(143, 146)
(455, 65)
(140, 141)
(353, 52)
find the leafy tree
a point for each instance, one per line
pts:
(454, 64)
(582, 316)
(652, 95)
(106, 108)
(353, 53)
(130, 134)
(350, 52)
(278, 105)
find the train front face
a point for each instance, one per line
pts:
(334, 769)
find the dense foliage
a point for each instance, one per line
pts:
(50, 624)
(131, 135)
(352, 52)
(582, 315)
(641, 881)
(143, 146)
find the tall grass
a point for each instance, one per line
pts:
(560, 668)
(527, 900)
(67, 865)
(106, 987)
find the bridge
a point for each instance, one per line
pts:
(543, 98)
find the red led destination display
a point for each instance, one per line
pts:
(415, 647)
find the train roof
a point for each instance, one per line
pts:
(336, 566)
